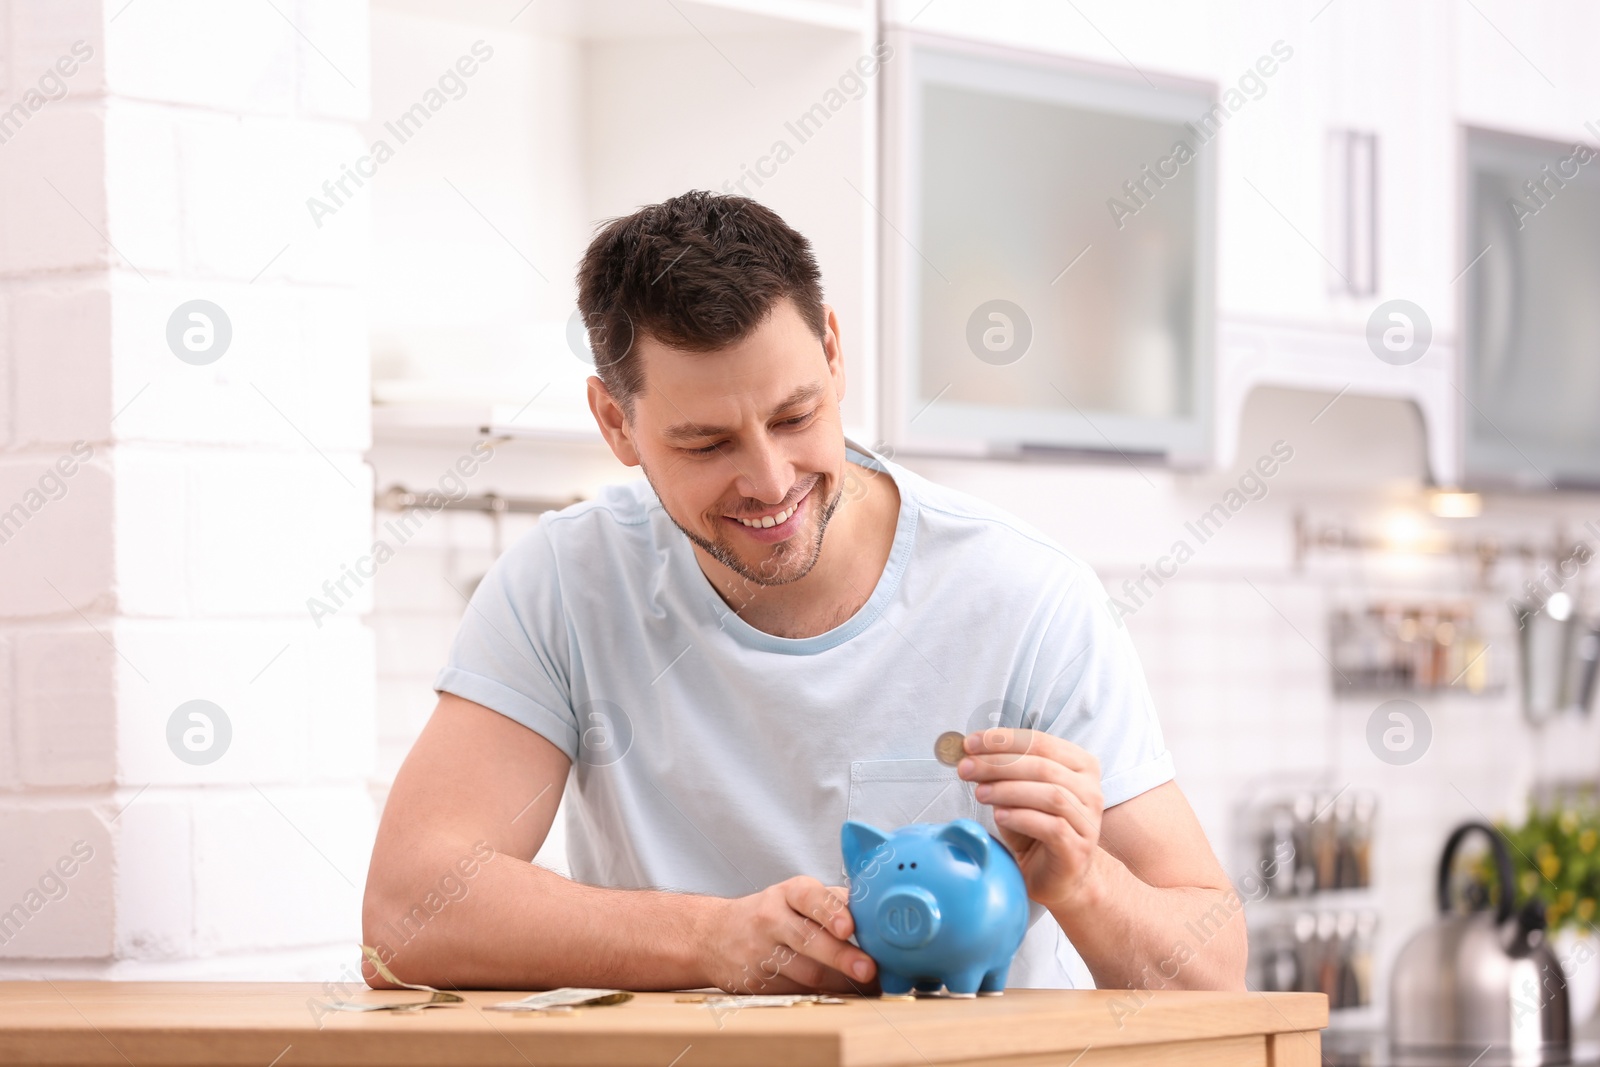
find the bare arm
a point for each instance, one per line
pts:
(1136, 888)
(1158, 910)
(477, 794)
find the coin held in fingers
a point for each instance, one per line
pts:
(950, 747)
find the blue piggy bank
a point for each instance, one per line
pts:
(935, 904)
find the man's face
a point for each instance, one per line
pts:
(743, 445)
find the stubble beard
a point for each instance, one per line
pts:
(786, 563)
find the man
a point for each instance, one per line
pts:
(761, 639)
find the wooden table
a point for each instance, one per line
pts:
(234, 1024)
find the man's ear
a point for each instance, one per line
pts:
(613, 422)
(833, 348)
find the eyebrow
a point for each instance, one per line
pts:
(688, 431)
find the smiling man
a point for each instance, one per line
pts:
(757, 641)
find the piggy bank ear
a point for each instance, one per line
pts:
(968, 838)
(858, 841)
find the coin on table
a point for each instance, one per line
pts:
(950, 747)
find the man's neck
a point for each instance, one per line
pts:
(855, 549)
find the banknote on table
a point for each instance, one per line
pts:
(439, 996)
(760, 1000)
(564, 1000)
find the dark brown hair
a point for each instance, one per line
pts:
(696, 273)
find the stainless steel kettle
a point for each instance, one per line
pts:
(1479, 986)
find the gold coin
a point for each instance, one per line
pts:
(950, 747)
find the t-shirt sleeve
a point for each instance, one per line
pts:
(1095, 693)
(510, 653)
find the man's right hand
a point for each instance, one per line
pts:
(788, 938)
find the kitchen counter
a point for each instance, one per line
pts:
(223, 1024)
(1371, 1049)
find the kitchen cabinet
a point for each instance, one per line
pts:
(1295, 299)
(1004, 169)
(1290, 83)
(1531, 329)
(584, 112)
(589, 110)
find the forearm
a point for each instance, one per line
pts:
(520, 926)
(1135, 935)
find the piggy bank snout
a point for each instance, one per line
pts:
(908, 917)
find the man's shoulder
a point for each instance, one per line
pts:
(957, 521)
(609, 527)
(624, 504)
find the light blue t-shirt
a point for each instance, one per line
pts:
(712, 757)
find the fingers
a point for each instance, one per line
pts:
(791, 937)
(844, 924)
(1032, 768)
(822, 941)
(1002, 741)
(1032, 823)
(1052, 800)
(1026, 771)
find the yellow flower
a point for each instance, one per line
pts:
(1530, 883)
(1585, 909)
(1587, 840)
(1566, 899)
(1549, 864)
(1568, 821)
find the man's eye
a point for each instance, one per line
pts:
(706, 451)
(798, 420)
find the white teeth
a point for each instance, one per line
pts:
(771, 520)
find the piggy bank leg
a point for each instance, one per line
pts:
(964, 983)
(929, 985)
(894, 985)
(994, 983)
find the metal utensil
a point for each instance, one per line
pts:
(1479, 986)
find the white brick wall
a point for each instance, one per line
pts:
(64, 543)
(175, 562)
(61, 337)
(61, 915)
(53, 193)
(65, 678)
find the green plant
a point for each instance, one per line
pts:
(1556, 855)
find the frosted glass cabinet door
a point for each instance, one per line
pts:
(1048, 266)
(1532, 322)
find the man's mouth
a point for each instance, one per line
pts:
(777, 519)
(776, 525)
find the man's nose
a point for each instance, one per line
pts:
(765, 474)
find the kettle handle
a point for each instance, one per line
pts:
(1502, 865)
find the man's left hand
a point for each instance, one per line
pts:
(1047, 804)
